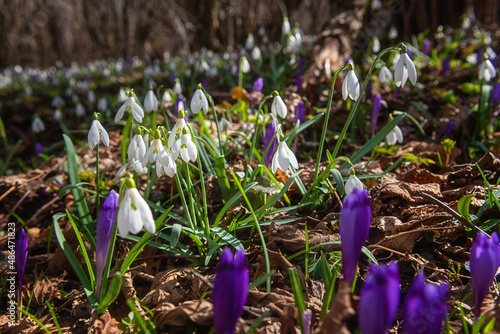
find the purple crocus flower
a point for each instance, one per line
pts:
(21, 256)
(306, 319)
(354, 227)
(38, 150)
(427, 47)
(495, 96)
(484, 262)
(425, 307)
(269, 142)
(258, 85)
(396, 92)
(300, 113)
(445, 67)
(379, 299)
(377, 106)
(230, 290)
(105, 223)
(450, 127)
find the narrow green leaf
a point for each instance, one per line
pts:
(231, 201)
(176, 233)
(9, 157)
(298, 294)
(227, 237)
(463, 206)
(111, 293)
(339, 180)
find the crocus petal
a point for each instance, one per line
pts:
(354, 227)
(21, 256)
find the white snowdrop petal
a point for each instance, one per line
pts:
(119, 113)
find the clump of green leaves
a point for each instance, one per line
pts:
(413, 159)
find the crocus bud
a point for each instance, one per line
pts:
(377, 106)
(258, 85)
(269, 141)
(300, 113)
(484, 262)
(354, 227)
(21, 255)
(495, 96)
(379, 299)
(425, 307)
(105, 223)
(445, 67)
(230, 290)
(306, 319)
(427, 47)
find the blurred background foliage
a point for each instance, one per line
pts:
(38, 33)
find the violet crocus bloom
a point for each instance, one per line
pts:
(300, 113)
(377, 106)
(427, 47)
(425, 307)
(306, 319)
(230, 290)
(269, 141)
(354, 227)
(105, 223)
(495, 96)
(21, 249)
(379, 299)
(484, 262)
(445, 67)
(258, 85)
(450, 127)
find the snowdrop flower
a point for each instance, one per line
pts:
(136, 148)
(249, 43)
(79, 110)
(168, 163)
(199, 102)
(395, 136)
(256, 54)
(97, 131)
(285, 27)
(150, 102)
(102, 105)
(177, 129)
(375, 44)
(244, 65)
(132, 108)
(135, 164)
(188, 149)
(177, 87)
(353, 183)
(224, 123)
(350, 86)
(487, 70)
(58, 101)
(278, 107)
(405, 69)
(393, 33)
(37, 125)
(122, 96)
(154, 151)
(57, 114)
(134, 213)
(385, 75)
(166, 97)
(283, 157)
(91, 97)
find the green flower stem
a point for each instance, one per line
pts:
(325, 123)
(356, 104)
(206, 223)
(183, 200)
(257, 227)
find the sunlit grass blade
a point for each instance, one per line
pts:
(112, 292)
(298, 294)
(83, 250)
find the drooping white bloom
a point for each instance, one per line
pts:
(135, 164)
(376, 45)
(395, 136)
(150, 102)
(188, 149)
(278, 107)
(122, 96)
(91, 97)
(134, 214)
(249, 43)
(97, 131)
(57, 114)
(177, 129)
(168, 163)
(385, 75)
(256, 54)
(199, 102)
(285, 27)
(393, 33)
(352, 183)
(166, 97)
(79, 110)
(37, 125)
(283, 157)
(487, 71)
(58, 101)
(405, 69)
(131, 107)
(244, 65)
(177, 87)
(136, 148)
(224, 123)
(102, 105)
(350, 86)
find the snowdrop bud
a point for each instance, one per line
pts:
(150, 102)
(79, 110)
(256, 54)
(57, 101)
(199, 102)
(405, 69)
(166, 97)
(244, 65)
(278, 107)
(487, 71)
(393, 33)
(134, 213)
(350, 86)
(385, 75)
(97, 131)
(37, 125)
(395, 136)
(376, 45)
(102, 104)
